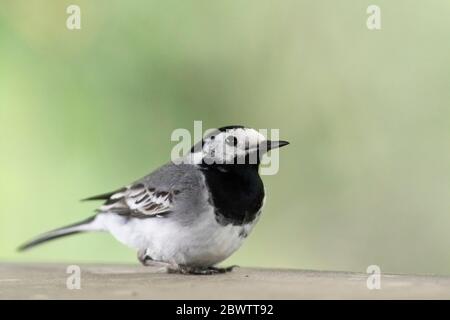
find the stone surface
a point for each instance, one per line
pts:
(48, 281)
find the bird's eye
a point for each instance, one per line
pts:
(232, 141)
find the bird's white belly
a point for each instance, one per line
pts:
(203, 243)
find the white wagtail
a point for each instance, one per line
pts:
(187, 215)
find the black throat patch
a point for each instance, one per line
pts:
(236, 191)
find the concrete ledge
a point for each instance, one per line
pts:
(48, 281)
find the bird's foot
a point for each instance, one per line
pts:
(147, 260)
(200, 270)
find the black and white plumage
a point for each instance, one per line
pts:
(189, 214)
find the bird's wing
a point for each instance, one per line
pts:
(139, 201)
(170, 188)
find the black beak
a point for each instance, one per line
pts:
(276, 144)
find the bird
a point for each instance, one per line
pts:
(191, 213)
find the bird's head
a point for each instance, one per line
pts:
(233, 145)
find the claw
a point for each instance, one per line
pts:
(201, 270)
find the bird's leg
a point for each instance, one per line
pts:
(183, 269)
(147, 261)
(143, 257)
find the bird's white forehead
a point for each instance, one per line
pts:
(243, 134)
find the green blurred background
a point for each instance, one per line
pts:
(366, 179)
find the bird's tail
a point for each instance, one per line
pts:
(82, 226)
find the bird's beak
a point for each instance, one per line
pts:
(269, 145)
